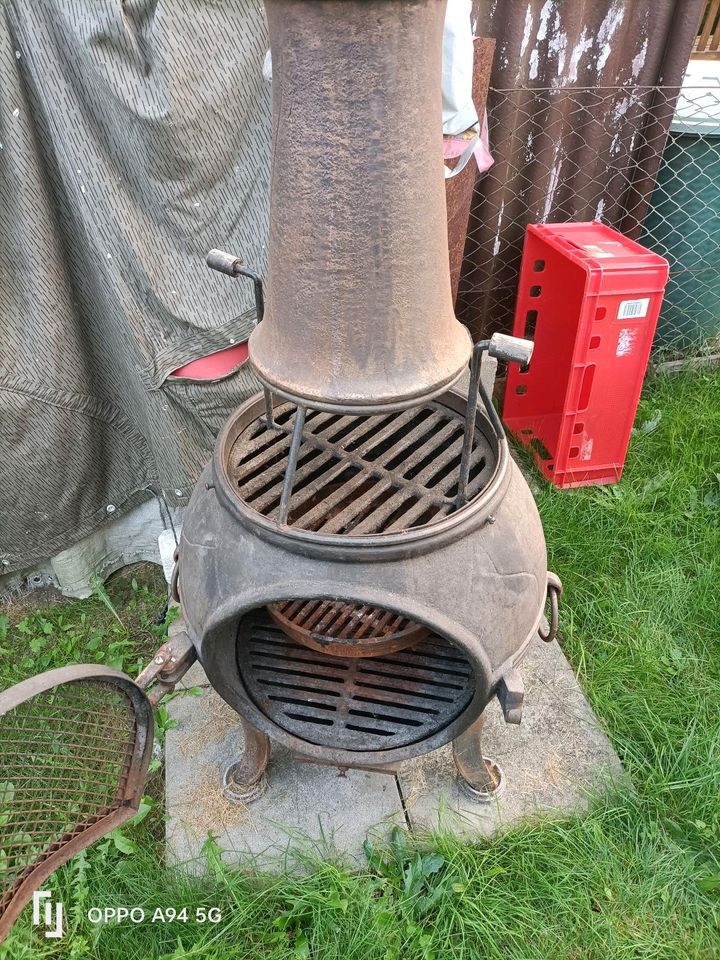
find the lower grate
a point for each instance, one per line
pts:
(345, 629)
(352, 703)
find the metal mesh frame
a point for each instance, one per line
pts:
(75, 746)
(570, 153)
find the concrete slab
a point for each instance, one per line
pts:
(195, 677)
(551, 763)
(306, 807)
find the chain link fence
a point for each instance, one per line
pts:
(568, 153)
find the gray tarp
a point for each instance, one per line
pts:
(134, 136)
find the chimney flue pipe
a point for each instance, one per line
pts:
(359, 311)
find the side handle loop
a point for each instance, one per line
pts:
(554, 590)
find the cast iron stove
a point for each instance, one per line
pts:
(362, 565)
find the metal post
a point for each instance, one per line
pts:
(269, 419)
(479, 776)
(245, 780)
(506, 348)
(469, 436)
(291, 465)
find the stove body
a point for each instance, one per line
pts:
(476, 579)
(362, 565)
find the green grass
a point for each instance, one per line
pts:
(116, 627)
(638, 877)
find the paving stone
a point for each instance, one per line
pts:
(552, 762)
(195, 677)
(306, 808)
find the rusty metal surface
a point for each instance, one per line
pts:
(571, 107)
(481, 775)
(223, 479)
(345, 629)
(245, 780)
(389, 769)
(350, 703)
(359, 308)
(170, 663)
(359, 476)
(459, 189)
(476, 577)
(75, 744)
(683, 27)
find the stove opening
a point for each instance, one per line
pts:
(315, 669)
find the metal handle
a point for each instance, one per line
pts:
(554, 590)
(495, 348)
(223, 262)
(511, 349)
(231, 265)
(174, 589)
(169, 665)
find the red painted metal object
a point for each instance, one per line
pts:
(214, 365)
(590, 298)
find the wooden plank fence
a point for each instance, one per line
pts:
(707, 42)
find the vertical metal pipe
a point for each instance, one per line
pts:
(291, 465)
(269, 419)
(469, 436)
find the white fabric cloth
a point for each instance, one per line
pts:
(459, 111)
(140, 534)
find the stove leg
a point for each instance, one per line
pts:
(245, 780)
(479, 777)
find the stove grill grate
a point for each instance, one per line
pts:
(359, 475)
(353, 703)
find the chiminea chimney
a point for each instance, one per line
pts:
(359, 310)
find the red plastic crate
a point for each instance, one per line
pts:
(590, 299)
